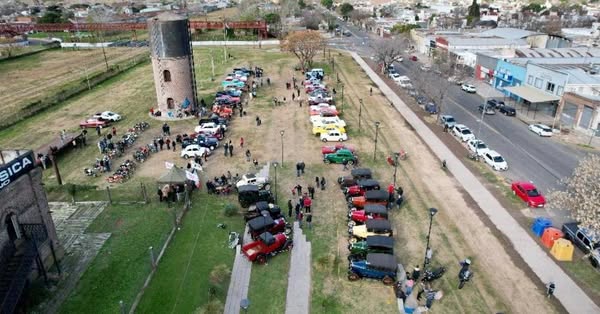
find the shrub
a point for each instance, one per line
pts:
(230, 210)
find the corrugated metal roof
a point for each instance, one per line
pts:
(507, 33)
(533, 95)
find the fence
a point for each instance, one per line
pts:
(123, 194)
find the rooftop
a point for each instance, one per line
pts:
(507, 33)
(484, 41)
(558, 52)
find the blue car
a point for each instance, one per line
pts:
(378, 266)
(233, 83)
(208, 142)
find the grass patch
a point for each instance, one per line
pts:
(584, 272)
(193, 273)
(268, 285)
(120, 268)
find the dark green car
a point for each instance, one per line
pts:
(373, 244)
(339, 157)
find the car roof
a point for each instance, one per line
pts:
(360, 172)
(267, 238)
(262, 205)
(382, 224)
(375, 209)
(381, 260)
(250, 175)
(458, 126)
(260, 222)
(380, 241)
(343, 150)
(526, 185)
(377, 194)
(368, 182)
(494, 153)
(542, 125)
(248, 188)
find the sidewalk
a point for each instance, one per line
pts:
(299, 277)
(568, 293)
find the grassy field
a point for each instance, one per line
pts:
(35, 77)
(194, 272)
(121, 267)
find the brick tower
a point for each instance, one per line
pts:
(173, 65)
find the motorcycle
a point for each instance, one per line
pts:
(431, 275)
(90, 172)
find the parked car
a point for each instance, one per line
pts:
(324, 112)
(373, 244)
(489, 110)
(262, 208)
(208, 128)
(318, 120)
(208, 142)
(507, 110)
(361, 187)
(107, 116)
(266, 245)
(324, 129)
(334, 136)
(232, 83)
(585, 239)
(478, 147)
(355, 175)
(448, 120)
(421, 99)
(250, 194)
(404, 82)
(378, 197)
(463, 132)
(469, 88)
(332, 149)
(253, 179)
(92, 123)
(425, 68)
(371, 227)
(339, 157)
(376, 266)
(261, 224)
(455, 79)
(191, 151)
(540, 129)
(528, 193)
(495, 160)
(414, 58)
(360, 216)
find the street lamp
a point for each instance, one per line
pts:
(281, 133)
(359, 113)
(481, 120)
(432, 212)
(342, 97)
(396, 156)
(275, 164)
(376, 134)
(245, 304)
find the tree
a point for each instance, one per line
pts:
(388, 51)
(272, 18)
(582, 193)
(304, 45)
(301, 4)
(403, 28)
(311, 20)
(359, 16)
(54, 14)
(345, 9)
(474, 14)
(327, 3)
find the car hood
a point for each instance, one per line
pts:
(537, 200)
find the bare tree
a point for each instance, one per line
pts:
(582, 193)
(388, 51)
(304, 45)
(360, 17)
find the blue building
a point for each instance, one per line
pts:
(508, 74)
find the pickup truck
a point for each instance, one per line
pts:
(253, 179)
(266, 245)
(585, 240)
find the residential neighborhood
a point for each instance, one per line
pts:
(289, 156)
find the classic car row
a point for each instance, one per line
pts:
(323, 113)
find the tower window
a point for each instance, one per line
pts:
(167, 75)
(170, 103)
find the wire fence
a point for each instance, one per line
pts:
(124, 194)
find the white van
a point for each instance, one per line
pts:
(404, 81)
(318, 71)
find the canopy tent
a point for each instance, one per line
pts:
(174, 175)
(532, 95)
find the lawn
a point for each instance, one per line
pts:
(120, 268)
(195, 268)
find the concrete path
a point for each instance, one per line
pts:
(567, 292)
(240, 275)
(299, 277)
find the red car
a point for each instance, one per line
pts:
(528, 193)
(361, 187)
(369, 212)
(92, 123)
(324, 112)
(267, 244)
(333, 149)
(413, 58)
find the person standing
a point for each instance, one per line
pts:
(297, 169)
(161, 142)
(174, 144)
(168, 142)
(114, 131)
(311, 191)
(241, 142)
(226, 148)
(345, 163)
(300, 216)
(160, 195)
(309, 220)
(290, 207)
(98, 130)
(323, 183)
(317, 182)
(299, 189)
(230, 150)
(307, 204)
(390, 191)
(297, 210)
(302, 166)
(371, 91)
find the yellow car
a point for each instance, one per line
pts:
(326, 128)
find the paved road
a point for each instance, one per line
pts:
(543, 161)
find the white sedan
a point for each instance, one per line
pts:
(396, 77)
(469, 88)
(478, 147)
(194, 150)
(540, 129)
(334, 136)
(495, 160)
(107, 116)
(463, 132)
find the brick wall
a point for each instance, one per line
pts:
(180, 85)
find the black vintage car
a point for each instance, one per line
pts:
(373, 244)
(263, 208)
(262, 224)
(250, 194)
(355, 175)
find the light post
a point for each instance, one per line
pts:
(376, 135)
(396, 155)
(360, 113)
(281, 133)
(245, 304)
(342, 97)
(481, 120)
(432, 212)
(275, 166)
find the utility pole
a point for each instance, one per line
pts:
(376, 134)
(360, 113)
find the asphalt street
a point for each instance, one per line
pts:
(543, 161)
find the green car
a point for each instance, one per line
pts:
(340, 156)
(373, 244)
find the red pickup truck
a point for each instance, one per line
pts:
(266, 245)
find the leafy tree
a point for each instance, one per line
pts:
(582, 193)
(301, 4)
(403, 28)
(54, 14)
(417, 18)
(327, 3)
(272, 18)
(304, 45)
(345, 9)
(533, 7)
(474, 14)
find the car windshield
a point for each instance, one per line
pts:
(481, 145)
(533, 193)
(450, 119)
(498, 159)
(466, 131)
(545, 129)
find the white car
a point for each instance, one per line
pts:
(425, 68)
(252, 179)
(478, 147)
(495, 160)
(320, 97)
(396, 77)
(194, 150)
(322, 106)
(318, 120)
(540, 129)
(469, 88)
(334, 136)
(210, 125)
(107, 116)
(463, 132)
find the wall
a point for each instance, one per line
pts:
(508, 74)
(484, 67)
(179, 88)
(540, 77)
(573, 108)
